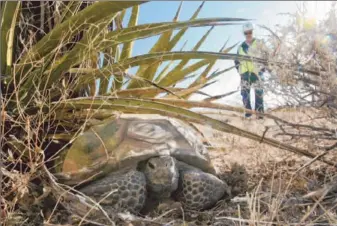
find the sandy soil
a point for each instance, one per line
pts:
(228, 148)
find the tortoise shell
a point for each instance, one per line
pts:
(124, 142)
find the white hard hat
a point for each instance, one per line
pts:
(247, 27)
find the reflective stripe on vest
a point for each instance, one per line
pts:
(247, 65)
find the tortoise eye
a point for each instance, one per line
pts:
(151, 165)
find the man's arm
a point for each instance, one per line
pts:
(237, 62)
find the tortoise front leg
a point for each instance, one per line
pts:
(119, 191)
(198, 190)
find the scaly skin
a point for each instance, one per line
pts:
(161, 177)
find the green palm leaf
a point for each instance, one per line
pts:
(9, 12)
(162, 45)
(118, 37)
(149, 106)
(166, 56)
(202, 78)
(72, 26)
(127, 46)
(175, 75)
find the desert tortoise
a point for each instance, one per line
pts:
(140, 157)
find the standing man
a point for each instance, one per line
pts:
(249, 71)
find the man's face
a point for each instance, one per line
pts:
(248, 35)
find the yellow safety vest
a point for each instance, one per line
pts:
(248, 65)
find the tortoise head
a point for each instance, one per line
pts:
(162, 176)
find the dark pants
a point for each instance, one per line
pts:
(247, 80)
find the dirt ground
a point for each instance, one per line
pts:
(270, 181)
